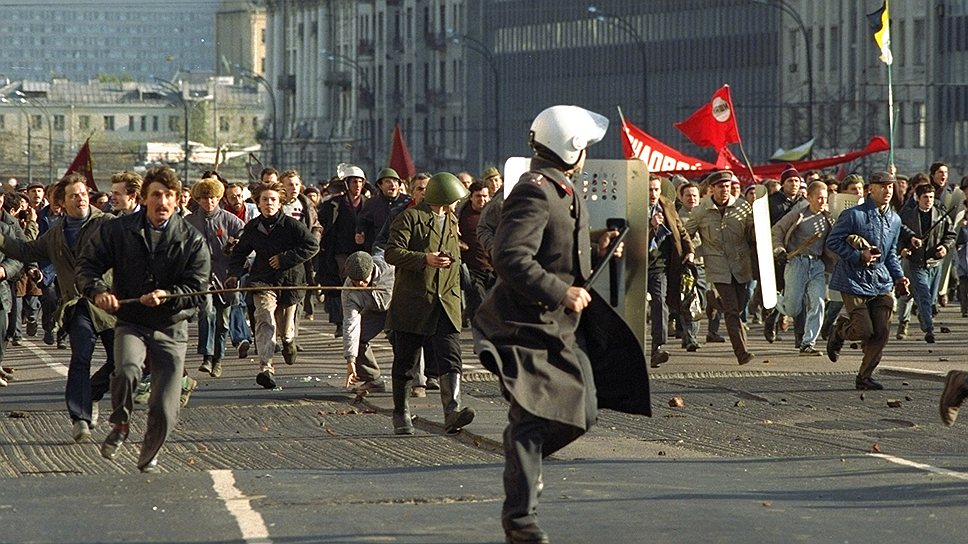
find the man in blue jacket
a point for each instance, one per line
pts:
(865, 237)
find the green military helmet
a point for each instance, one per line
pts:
(387, 173)
(444, 189)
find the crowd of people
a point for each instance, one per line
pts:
(421, 259)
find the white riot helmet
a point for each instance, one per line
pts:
(346, 170)
(566, 131)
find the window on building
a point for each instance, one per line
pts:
(58, 122)
(154, 123)
(255, 123)
(834, 49)
(918, 40)
(223, 123)
(899, 45)
(821, 50)
(920, 123)
(144, 123)
(36, 121)
(131, 123)
(108, 122)
(174, 123)
(84, 122)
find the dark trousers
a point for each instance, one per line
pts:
(658, 309)
(527, 440)
(371, 325)
(733, 298)
(869, 321)
(446, 350)
(479, 283)
(48, 307)
(83, 388)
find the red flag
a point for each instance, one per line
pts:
(400, 159)
(638, 144)
(84, 164)
(714, 124)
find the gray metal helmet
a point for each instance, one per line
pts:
(444, 189)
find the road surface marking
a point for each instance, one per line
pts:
(59, 368)
(921, 466)
(249, 521)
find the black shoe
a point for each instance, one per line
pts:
(745, 358)
(713, 338)
(692, 347)
(61, 343)
(31, 327)
(929, 337)
(49, 338)
(456, 421)
(151, 467)
(289, 352)
(265, 379)
(769, 325)
(339, 331)
(532, 534)
(835, 342)
(867, 384)
(117, 436)
(244, 349)
(659, 356)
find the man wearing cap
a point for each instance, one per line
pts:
(424, 247)
(364, 317)
(780, 203)
(865, 238)
(725, 224)
(378, 209)
(220, 229)
(491, 216)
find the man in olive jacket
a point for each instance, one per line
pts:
(85, 322)
(424, 248)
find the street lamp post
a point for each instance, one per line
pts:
(50, 133)
(272, 96)
(178, 94)
(783, 6)
(485, 51)
(627, 27)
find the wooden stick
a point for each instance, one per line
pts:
(260, 288)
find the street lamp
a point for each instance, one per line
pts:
(603, 16)
(177, 92)
(272, 96)
(485, 51)
(50, 134)
(333, 56)
(783, 6)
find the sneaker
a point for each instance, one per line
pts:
(206, 365)
(151, 467)
(81, 432)
(31, 327)
(144, 390)
(216, 369)
(808, 351)
(418, 391)
(244, 349)
(955, 392)
(902, 330)
(289, 352)
(265, 379)
(189, 384)
(114, 440)
(17, 342)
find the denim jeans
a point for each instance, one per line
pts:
(804, 294)
(924, 287)
(213, 326)
(238, 322)
(82, 388)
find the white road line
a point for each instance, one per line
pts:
(250, 522)
(59, 368)
(920, 466)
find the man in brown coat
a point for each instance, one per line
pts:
(669, 247)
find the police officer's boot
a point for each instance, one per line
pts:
(455, 417)
(401, 410)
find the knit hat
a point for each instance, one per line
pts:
(789, 172)
(208, 187)
(359, 265)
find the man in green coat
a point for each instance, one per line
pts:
(424, 247)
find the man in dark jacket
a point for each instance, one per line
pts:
(281, 245)
(390, 201)
(154, 253)
(337, 215)
(542, 256)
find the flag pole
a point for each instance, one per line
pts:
(890, 118)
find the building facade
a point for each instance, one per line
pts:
(240, 37)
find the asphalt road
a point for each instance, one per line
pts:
(783, 451)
